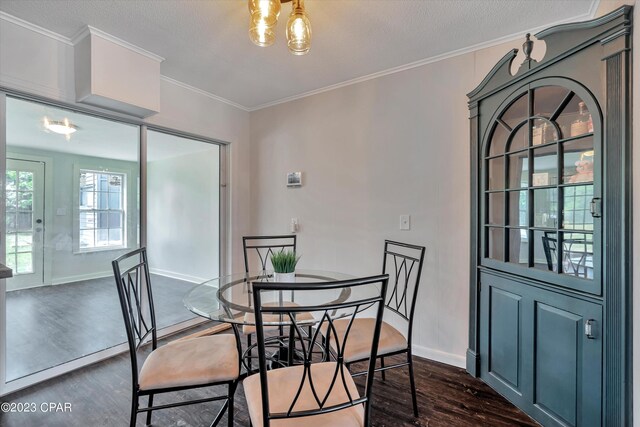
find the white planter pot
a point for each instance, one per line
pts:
(284, 277)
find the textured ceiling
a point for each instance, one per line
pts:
(206, 45)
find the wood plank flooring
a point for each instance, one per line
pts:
(50, 325)
(100, 396)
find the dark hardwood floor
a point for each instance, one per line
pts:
(100, 396)
(50, 325)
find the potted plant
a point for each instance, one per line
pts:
(284, 266)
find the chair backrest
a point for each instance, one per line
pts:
(131, 272)
(258, 249)
(403, 262)
(317, 385)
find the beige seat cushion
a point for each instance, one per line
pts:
(193, 361)
(358, 345)
(283, 385)
(250, 318)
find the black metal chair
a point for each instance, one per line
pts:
(257, 251)
(180, 365)
(321, 392)
(550, 247)
(406, 261)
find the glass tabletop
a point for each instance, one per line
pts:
(230, 298)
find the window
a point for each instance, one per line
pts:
(102, 212)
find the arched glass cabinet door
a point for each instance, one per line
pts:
(542, 186)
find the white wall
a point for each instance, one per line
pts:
(183, 230)
(41, 63)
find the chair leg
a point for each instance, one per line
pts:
(134, 409)
(149, 413)
(384, 377)
(413, 385)
(249, 353)
(232, 392)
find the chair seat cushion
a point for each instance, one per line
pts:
(284, 384)
(358, 345)
(250, 318)
(191, 362)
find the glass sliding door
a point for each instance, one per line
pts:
(71, 206)
(183, 219)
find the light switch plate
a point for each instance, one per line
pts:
(405, 222)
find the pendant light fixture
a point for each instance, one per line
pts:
(298, 30)
(264, 18)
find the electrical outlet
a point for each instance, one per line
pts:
(405, 222)
(294, 225)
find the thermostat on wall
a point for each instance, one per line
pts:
(294, 179)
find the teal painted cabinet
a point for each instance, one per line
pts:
(534, 350)
(550, 306)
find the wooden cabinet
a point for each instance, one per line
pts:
(550, 319)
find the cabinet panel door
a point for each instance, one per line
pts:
(534, 351)
(567, 362)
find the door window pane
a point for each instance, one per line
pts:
(547, 99)
(518, 212)
(519, 170)
(578, 161)
(545, 250)
(496, 173)
(576, 214)
(518, 246)
(545, 166)
(496, 243)
(545, 208)
(496, 208)
(577, 255)
(517, 112)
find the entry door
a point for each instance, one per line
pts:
(24, 200)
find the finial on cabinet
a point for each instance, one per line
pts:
(527, 46)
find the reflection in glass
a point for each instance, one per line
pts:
(545, 166)
(496, 173)
(578, 160)
(498, 140)
(517, 112)
(575, 119)
(77, 202)
(577, 255)
(496, 243)
(519, 140)
(496, 208)
(576, 213)
(519, 170)
(547, 99)
(518, 246)
(545, 208)
(545, 250)
(518, 212)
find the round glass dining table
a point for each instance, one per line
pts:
(229, 299)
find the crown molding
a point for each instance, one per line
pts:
(203, 92)
(89, 30)
(35, 28)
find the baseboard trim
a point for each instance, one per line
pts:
(80, 277)
(178, 276)
(440, 356)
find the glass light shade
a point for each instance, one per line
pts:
(266, 11)
(298, 32)
(262, 34)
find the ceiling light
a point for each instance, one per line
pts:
(298, 30)
(264, 18)
(62, 127)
